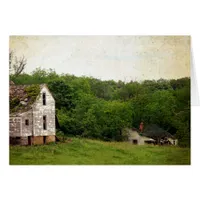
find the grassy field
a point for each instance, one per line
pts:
(93, 152)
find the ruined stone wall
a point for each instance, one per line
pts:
(39, 110)
(38, 140)
(50, 138)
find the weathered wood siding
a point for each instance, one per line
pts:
(15, 126)
(18, 128)
(39, 110)
(27, 130)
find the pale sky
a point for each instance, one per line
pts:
(107, 57)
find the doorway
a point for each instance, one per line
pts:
(135, 141)
(29, 140)
(44, 139)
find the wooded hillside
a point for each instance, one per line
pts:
(93, 108)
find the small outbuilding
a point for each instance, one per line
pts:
(150, 134)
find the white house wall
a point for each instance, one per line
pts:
(27, 130)
(173, 141)
(39, 110)
(15, 126)
(134, 135)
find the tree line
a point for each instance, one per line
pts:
(92, 108)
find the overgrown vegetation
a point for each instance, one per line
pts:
(14, 104)
(32, 92)
(89, 107)
(92, 152)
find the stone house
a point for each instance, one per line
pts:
(32, 115)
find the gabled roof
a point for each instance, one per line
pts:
(23, 96)
(152, 130)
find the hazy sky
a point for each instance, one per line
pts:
(107, 57)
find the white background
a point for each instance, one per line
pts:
(97, 18)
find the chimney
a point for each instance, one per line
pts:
(141, 127)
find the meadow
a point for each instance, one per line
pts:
(77, 151)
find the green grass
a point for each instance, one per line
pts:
(93, 152)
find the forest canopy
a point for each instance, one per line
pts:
(92, 108)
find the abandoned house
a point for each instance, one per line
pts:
(32, 114)
(150, 134)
